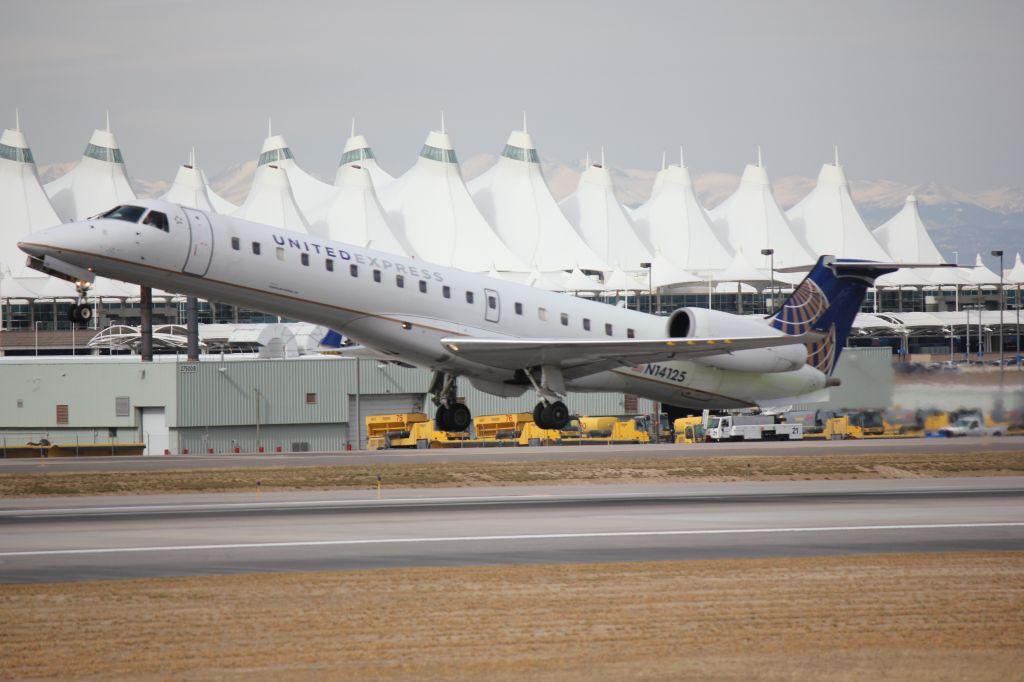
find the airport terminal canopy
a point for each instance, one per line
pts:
(355, 216)
(1015, 275)
(827, 221)
(432, 212)
(311, 194)
(271, 201)
(515, 199)
(981, 276)
(602, 221)
(664, 272)
(189, 189)
(750, 220)
(358, 151)
(906, 240)
(674, 223)
(25, 208)
(97, 183)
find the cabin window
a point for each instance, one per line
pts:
(157, 220)
(400, 281)
(469, 297)
(305, 258)
(256, 248)
(236, 243)
(630, 334)
(353, 270)
(586, 324)
(423, 286)
(492, 302)
(280, 253)
(446, 291)
(608, 329)
(542, 313)
(329, 264)
(376, 275)
(565, 319)
(519, 308)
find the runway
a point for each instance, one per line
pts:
(809, 448)
(118, 537)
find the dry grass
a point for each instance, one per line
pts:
(901, 617)
(754, 468)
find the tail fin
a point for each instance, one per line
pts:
(827, 301)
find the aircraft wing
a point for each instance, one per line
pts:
(580, 357)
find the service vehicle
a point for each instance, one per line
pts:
(751, 427)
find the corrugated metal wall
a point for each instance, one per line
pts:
(288, 437)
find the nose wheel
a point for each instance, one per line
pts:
(551, 415)
(80, 314)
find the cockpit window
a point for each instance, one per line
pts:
(129, 213)
(157, 220)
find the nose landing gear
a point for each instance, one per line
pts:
(81, 313)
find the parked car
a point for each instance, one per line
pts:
(970, 426)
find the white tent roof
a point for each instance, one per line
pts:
(220, 204)
(26, 209)
(827, 221)
(673, 222)
(357, 150)
(1015, 275)
(310, 194)
(189, 189)
(980, 274)
(577, 281)
(434, 215)
(602, 221)
(664, 272)
(271, 201)
(355, 216)
(514, 197)
(750, 220)
(618, 280)
(916, 277)
(905, 237)
(96, 184)
(740, 270)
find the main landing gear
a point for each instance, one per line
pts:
(451, 415)
(550, 412)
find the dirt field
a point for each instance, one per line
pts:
(755, 468)
(902, 617)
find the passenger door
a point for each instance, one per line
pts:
(200, 248)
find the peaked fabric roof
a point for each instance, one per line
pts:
(271, 201)
(433, 214)
(311, 194)
(906, 239)
(827, 222)
(220, 204)
(358, 151)
(514, 198)
(750, 220)
(674, 223)
(602, 221)
(355, 215)
(189, 189)
(664, 272)
(97, 183)
(1015, 275)
(980, 274)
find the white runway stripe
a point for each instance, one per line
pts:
(491, 538)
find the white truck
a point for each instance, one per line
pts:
(750, 427)
(970, 426)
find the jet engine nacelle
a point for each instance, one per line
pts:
(703, 323)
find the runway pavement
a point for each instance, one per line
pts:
(85, 538)
(509, 454)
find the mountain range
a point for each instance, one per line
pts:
(960, 222)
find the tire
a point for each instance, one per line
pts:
(441, 418)
(556, 415)
(84, 313)
(459, 418)
(539, 416)
(73, 314)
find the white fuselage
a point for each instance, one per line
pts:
(401, 307)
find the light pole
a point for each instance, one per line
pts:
(36, 325)
(771, 255)
(999, 252)
(650, 287)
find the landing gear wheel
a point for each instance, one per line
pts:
(459, 418)
(538, 416)
(84, 313)
(441, 418)
(556, 415)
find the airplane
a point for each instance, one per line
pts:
(504, 337)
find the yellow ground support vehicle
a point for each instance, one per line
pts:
(583, 430)
(412, 430)
(689, 429)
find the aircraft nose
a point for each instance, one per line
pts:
(49, 241)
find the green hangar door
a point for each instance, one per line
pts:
(378, 403)
(154, 430)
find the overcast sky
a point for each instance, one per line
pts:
(912, 91)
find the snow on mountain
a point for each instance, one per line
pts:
(233, 182)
